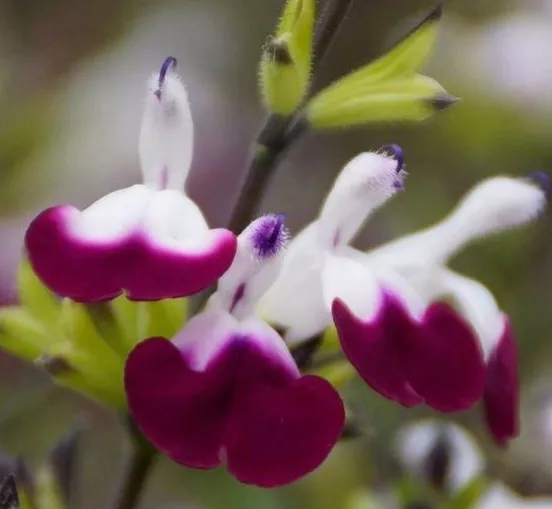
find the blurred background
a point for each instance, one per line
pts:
(72, 79)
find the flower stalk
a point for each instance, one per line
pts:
(137, 470)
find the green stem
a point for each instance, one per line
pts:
(136, 473)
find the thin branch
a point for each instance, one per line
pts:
(136, 473)
(328, 26)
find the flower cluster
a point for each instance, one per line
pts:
(225, 389)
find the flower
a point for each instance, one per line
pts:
(422, 445)
(386, 305)
(149, 240)
(226, 388)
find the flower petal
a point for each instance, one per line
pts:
(501, 398)
(181, 411)
(295, 301)
(225, 389)
(371, 345)
(276, 435)
(85, 255)
(153, 245)
(442, 359)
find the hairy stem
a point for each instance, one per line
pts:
(279, 133)
(136, 473)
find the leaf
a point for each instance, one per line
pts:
(285, 67)
(408, 98)
(406, 58)
(22, 334)
(8, 494)
(34, 296)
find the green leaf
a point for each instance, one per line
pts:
(34, 296)
(406, 58)
(407, 98)
(286, 62)
(22, 334)
(84, 347)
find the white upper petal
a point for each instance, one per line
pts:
(113, 216)
(166, 136)
(255, 267)
(352, 282)
(494, 205)
(295, 300)
(364, 184)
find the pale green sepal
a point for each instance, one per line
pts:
(34, 296)
(164, 318)
(22, 334)
(411, 98)
(405, 59)
(128, 315)
(286, 62)
(140, 320)
(86, 350)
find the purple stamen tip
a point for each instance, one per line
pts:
(396, 152)
(269, 235)
(543, 180)
(169, 63)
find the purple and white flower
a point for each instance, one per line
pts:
(149, 240)
(387, 305)
(226, 389)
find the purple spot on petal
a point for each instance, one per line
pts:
(501, 399)
(240, 292)
(269, 235)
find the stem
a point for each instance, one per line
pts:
(329, 24)
(279, 133)
(137, 470)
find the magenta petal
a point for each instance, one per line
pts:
(443, 360)
(183, 413)
(161, 273)
(91, 271)
(71, 267)
(371, 349)
(277, 435)
(501, 398)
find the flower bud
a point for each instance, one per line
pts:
(286, 61)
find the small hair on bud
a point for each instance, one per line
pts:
(543, 180)
(269, 235)
(169, 63)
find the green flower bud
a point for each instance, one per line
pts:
(389, 89)
(286, 62)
